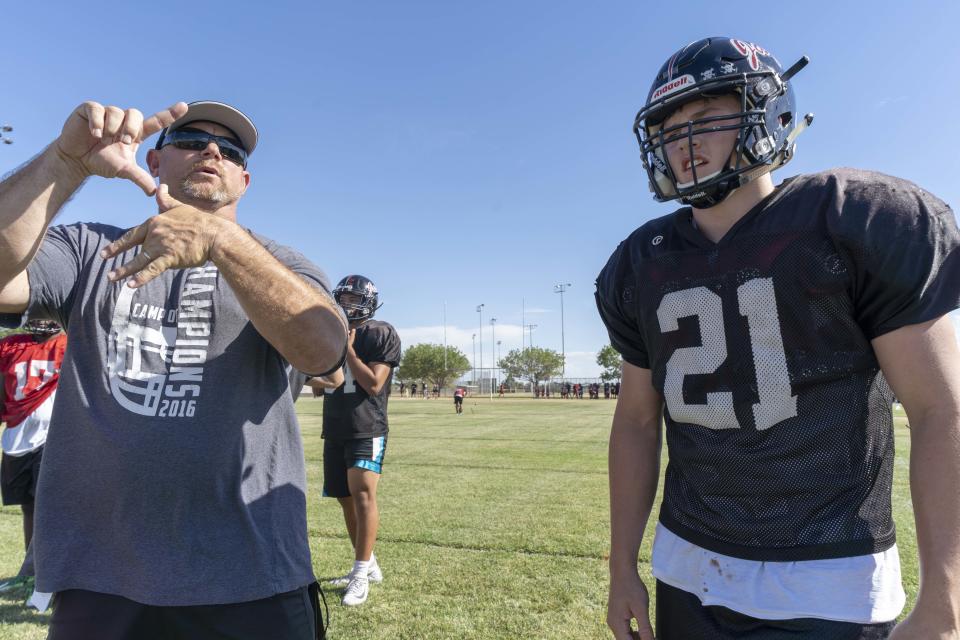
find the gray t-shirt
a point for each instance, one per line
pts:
(173, 472)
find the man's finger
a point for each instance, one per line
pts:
(92, 112)
(139, 176)
(148, 273)
(140, 262)
(132, 125)
(112, 121)
(162, 119)
(165, 201)
(131, 238)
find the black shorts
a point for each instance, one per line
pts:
(681, 616)
(457, 399)
(340, 455)
(18, 477)
(81, 615)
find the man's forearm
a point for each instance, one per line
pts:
(302, 323)
(934, 479)
(29, 200)
(634, 467)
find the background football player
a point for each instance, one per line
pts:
(764, 323)
(30, 370)
(355, 428)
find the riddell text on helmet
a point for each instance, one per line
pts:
(672, 86)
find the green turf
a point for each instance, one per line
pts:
(493, 524)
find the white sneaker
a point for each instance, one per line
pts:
(357, 591)
(374, 574)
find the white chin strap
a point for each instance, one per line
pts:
(699, 180)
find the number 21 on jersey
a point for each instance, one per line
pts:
(757, 302)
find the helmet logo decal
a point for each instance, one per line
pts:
(750, 50)
(657, 240)
(708, 74)
(728, 67)
(673, 86)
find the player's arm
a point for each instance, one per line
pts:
(3, 397)
(634, 467)
(371, 376)
(922, 364)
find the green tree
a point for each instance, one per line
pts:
(426, 362)
(609, 358)
(533, 364)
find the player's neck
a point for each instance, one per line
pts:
(716, 221)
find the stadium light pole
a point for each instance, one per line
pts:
(474, 338)
(499, 356)
(560, 288)
(480, 311)
(493, 352)
(531, 327)
(4, 130)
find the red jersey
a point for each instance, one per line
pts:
(30, 371)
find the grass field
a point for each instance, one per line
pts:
(493, 524)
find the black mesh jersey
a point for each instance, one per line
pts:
(778, 420)
(349, 412)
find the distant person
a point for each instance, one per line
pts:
(503, 388)
(30, 370)
(458, 396)
(606, 390)
(402, 390)
(355, 429)
(413, 390)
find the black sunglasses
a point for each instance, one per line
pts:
(197, 140)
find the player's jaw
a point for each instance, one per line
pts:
(711, 154)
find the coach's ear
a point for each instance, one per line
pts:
(153, 162)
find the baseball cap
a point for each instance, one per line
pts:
(222, 114)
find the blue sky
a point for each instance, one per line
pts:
(467, 152)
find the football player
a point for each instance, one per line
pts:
(29, 372)
(767, 325)
(355, 428)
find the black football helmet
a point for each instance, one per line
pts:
(42, 328)
(357, 312)
(767, 127)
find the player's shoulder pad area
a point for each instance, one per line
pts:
(381, 341)
(650, 239)
(870, 197)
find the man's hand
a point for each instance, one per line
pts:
(103, 141)
(629, 600)
(179, 238)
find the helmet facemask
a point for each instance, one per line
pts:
(764, 121)
(42, 328)
(363, 299)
